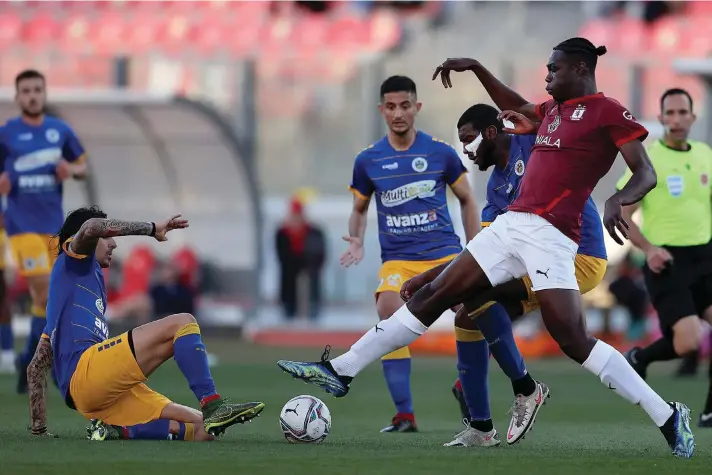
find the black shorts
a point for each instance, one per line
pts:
(684, 287)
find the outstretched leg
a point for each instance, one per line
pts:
(463, 276)
(177, 422)
(563, 317)
(178, 336)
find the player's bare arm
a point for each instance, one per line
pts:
(656, 257)
(357, 230)
(96, 228)
(641, 182)
(468, 207)
(503, 96)
(37, 382)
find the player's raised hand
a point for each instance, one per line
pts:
(162, 227)
(354, 253)
(453, 64)
(613, 220)
(63, 170)
(5, 184)
(520, 124)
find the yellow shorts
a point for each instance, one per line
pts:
(3, 248)
(108, 385)
(394, 273)
(589, 273)
(34, 254)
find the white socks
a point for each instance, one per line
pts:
(7, 358)
(400, 330)
(615, 372)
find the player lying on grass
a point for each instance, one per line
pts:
(486, 142)
(102, 378)
(580, 136)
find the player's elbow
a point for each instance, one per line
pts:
(650, 178)
(92, 227)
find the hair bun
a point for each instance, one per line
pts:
(601, 50)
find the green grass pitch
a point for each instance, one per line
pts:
(584, 429)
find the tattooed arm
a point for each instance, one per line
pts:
(92, 230)
(37, 382)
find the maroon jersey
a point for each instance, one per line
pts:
(576, 145)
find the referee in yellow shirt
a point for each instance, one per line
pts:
(675, 236)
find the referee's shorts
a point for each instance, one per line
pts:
(684, 287)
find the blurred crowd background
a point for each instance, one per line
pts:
(246, 117)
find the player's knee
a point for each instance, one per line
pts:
(686, 343)
(578, 349)
(463, 320)
(178, 321)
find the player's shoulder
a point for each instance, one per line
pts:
(370, 152)
(611, 104)
(435, 144)
(56, 123)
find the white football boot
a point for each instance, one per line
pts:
(471, 437)
(524, 412)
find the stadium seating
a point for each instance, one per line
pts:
(293, 47)
(653, 48)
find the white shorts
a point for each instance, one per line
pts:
(516, 244)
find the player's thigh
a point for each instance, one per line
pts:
(181, 413)
(104, 373)
(387, 303)
(547, 254)
(462, 278)
(493, 259)
(153, 342)
(138, 405)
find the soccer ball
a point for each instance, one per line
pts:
(305, 420)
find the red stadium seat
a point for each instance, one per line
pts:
(631, 38)
(11, 27)
(699, 9)
(697, 40)
(310, 32)
(74, 35)
(41, 32)
(348, 33)
(666, 36)
(174, 33)
(599, 32)
(108, 34)
(384, 31)
(143, 34)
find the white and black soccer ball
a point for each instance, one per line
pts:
(305, 420)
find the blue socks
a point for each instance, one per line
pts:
(37, 326)
(496, 327)
(192, 359)
(473, 367)
(397, 373)
(159, 429)
(7, 339)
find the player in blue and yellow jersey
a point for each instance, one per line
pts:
(485, 143)
(102, 377)
(7, 341)
(409, 172)
(39, 152)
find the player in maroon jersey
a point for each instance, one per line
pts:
(580, 135)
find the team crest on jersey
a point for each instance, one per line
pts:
(52, 135)
(704, 179)
(578, 113)
(420, 164)
(394, 280)
(555, 124)
(99, 306)
(519, 167)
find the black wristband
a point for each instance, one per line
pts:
(153, 229)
